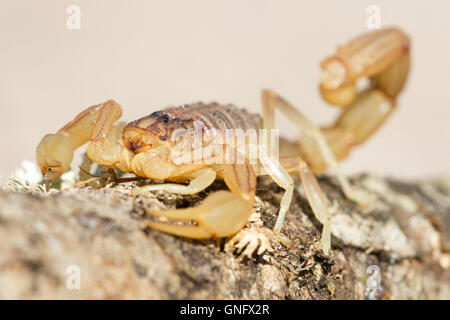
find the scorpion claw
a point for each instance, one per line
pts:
(221, 214)
(189, 231)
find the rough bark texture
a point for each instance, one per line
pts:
(102, 231)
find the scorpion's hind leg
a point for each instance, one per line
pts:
(318, 203)
(323, 152)
(278, 170)
(221, 214)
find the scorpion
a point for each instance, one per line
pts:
(146, 147)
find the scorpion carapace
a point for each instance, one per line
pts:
(162, 146)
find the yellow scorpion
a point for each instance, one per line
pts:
(146, 146)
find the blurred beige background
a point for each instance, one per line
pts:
(150, 54)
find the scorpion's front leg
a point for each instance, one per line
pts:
(198, 181)
(221, 214)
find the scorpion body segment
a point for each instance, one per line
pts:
(155, 146)
(211, 116)
(213, 119)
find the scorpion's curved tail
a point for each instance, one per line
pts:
(382, 56)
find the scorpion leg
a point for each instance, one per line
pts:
(278, 171)
(201, 179)
(318, 203)
(221, 214)
(270, 101)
